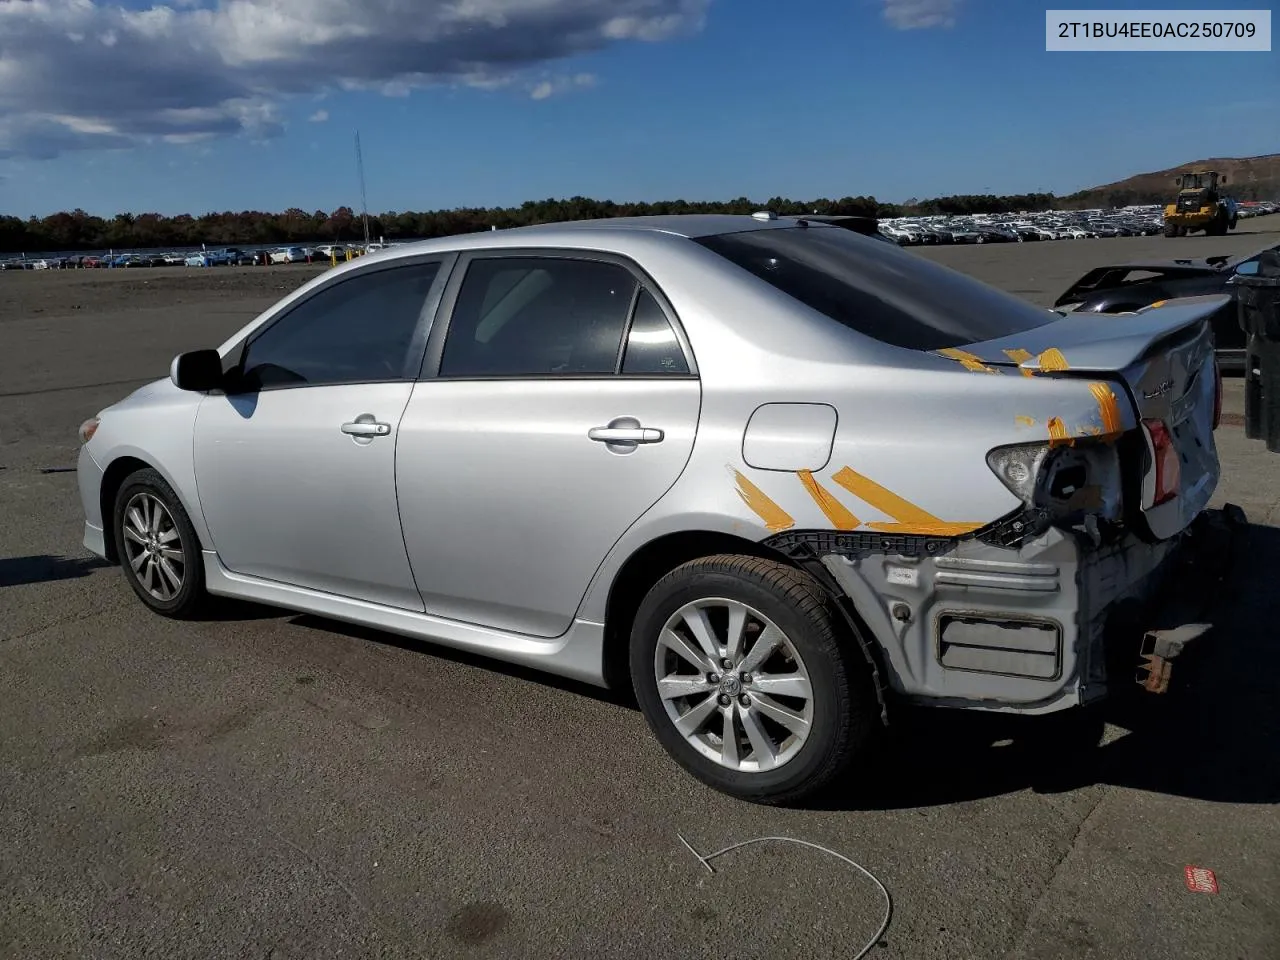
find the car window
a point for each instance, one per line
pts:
(535, 316)
(881, 291)
(358, 330)
(652, 346)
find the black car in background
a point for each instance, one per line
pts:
(239, 258)
(1125, 287)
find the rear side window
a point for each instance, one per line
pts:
(538, 316)
(652, 346)
(878, 290)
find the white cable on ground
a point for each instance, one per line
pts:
(888, 901)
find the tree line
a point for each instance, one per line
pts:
(78, 230)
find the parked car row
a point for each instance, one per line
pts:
(1018, 228)
(1138, 221)
(1246, 210)
(233, 256)
(226, 256)
(88, 261)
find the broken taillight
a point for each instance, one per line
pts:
(1165, 456)
(1217, 394)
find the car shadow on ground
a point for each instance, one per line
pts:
(234, 610)
(465, 657)
(1213, 736)
(44, 568)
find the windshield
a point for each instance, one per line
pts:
(880, 291)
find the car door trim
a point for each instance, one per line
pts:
(439, 328)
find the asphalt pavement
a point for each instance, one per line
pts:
(266, 784)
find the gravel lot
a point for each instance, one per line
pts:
(274, 785)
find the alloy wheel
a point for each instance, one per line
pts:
(153, 547)
(734, 685)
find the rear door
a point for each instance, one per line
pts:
(559, 404)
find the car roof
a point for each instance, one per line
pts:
(690, 225)
(568, 232)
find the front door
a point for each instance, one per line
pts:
(564, 408)
(296, 472)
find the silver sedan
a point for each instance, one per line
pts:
(775, 476)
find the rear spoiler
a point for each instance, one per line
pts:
(1098, 343)
(1108, 278)
(1093, 281)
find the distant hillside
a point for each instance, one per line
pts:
(1248, 178)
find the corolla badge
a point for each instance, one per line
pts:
(1160, 390)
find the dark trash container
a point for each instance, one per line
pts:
(1258, 296)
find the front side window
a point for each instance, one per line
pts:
(359, 330)
(880, 291)
(538, 316)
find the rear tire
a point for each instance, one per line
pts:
(158, 547)
(1170, 229)
(783, 709)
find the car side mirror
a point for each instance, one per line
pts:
(198, 371)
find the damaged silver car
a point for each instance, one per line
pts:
(773, 475)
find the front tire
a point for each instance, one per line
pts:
(158, 547)
(745, 673)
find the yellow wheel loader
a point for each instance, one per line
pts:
(1200, 205)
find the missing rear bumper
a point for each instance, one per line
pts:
(1053, 623)
(1182, 615)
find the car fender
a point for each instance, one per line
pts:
(165, 417)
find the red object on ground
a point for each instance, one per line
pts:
(1201, 880)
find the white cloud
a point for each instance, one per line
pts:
(921, 14)
(556, 85)
(320, 116)
(83, 74)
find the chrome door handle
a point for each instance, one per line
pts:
(366, 428)
(626, 434)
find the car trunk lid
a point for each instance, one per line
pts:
(1163, 356)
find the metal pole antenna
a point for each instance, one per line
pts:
(364, 203)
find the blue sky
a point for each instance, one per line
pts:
(197, 105)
